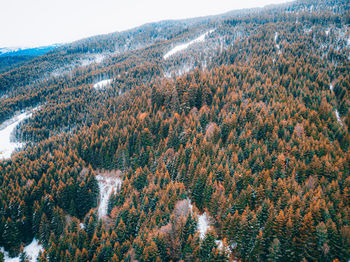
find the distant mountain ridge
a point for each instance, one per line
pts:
(25, 51)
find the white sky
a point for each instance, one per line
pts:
(42, 22)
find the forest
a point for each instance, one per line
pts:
(248, 130)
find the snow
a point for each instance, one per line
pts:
(7, 145)
(32, 251)
(327, 32)
(190, 205)
(338, 117)
(331, 87)
(277, 45)
(5, 50)
(106, 186)
(307, 30)
(220, 244)
(94, 58)
(203, 225)
(98, 58)
(179, 71)
(80, 62)
(82, 226)
(184, 46)
(102, 84)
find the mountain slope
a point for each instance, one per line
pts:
(26, 51)
(234, 147)
(15, 57)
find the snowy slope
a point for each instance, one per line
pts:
(336, 110)
(107, 185)
(184, 46)
(32, 251)
(7, 145)
(277, 45)
(103, 83)
(338, 117)
(203, 225)
(4, 50)
(20, 51)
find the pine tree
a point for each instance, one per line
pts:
(207, 246)
(121, 232)
(275, 251)
(11, 237)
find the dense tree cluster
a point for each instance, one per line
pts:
(250, 136)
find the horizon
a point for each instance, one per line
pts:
(45, 23)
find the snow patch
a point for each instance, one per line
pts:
(223, 247)
(184, 46)
(102, 84)
(107, 185)
(307, 30)
(32, 251)
(277, 45)
(7, 143)
(80, 62)
(203, 225)
(179, 72)
(12, 49)
(190, 205)
(95, 58)
(331, 87)
(338, 117)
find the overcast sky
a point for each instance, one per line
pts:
(43, 22)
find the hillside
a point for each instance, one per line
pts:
(218, 138)
(15, 57)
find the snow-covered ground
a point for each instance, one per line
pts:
(80, 62)
(338, 117)
(203, 225)
(184, 46)
(32, 251)
(107, 185)
(331, 87)
(190, 205)
(94, 58)
(4, 50)
(179, 71)
(277, 45)
(7, 145)
(221, 246)
(103, 83)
